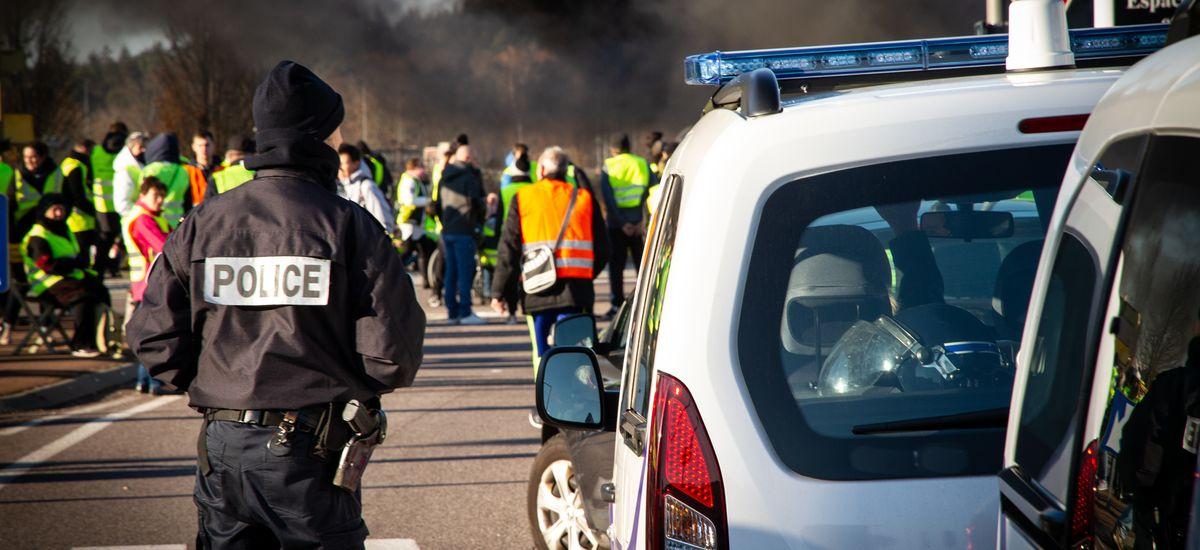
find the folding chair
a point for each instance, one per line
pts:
(42, 323)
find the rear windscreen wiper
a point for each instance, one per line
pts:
(974, 420)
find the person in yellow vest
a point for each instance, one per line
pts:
(377, 168)
(566, 219)
(37, 177)
(517, 175)
(412, 196)
(108, 222)
(624, 182)
(127, 172)
(654, 143)
(232, 172)
(654, 194)
(433, 225)
(76, 169)
(162, 162)
(58, 272)
(144, 231)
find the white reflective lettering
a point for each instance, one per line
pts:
(267, 281)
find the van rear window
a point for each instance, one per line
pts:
(884, 308)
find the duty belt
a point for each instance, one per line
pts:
(307, 420)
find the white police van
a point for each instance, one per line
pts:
(833, 290)
(1102, 443)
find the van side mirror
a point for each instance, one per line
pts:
(968, 225)
(570, 391)
(575, 330)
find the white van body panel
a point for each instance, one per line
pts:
(730, 165)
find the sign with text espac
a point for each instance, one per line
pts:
(1125, 12)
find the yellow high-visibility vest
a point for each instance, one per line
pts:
(79, 220)
(628, 175)
(60, 247)
(102, 184)
(176, 178)
(231, 177)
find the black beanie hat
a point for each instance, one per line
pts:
(293, 98)
(241, 143)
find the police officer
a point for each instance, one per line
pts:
(272, 305)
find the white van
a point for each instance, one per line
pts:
(834, 284)
(1102, 442)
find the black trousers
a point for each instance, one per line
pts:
(623, 248)
(108, 228)
(423, 248)
(255, 497)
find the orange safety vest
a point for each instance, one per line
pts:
(542, 207)
(197, 182)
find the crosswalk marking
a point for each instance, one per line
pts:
(91, 427)
(13, 430)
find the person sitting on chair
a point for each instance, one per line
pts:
(58, 273)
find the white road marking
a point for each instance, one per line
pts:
(92, 427)
(391, 544)
(12, 430)
(371, 544)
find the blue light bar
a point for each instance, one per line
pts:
(717, 68)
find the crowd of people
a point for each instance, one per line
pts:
(113, 203)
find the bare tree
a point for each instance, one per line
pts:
(203, 83)
(46, 85)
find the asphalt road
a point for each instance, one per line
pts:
(120, 471)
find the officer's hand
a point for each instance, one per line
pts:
(498, 306)
(629, 229)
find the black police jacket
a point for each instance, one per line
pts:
(279, 295)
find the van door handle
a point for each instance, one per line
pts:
(633, 431)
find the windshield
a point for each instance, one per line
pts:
(896, 300)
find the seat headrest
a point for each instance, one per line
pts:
(838, 262)
(1014, 284)
(841, 270)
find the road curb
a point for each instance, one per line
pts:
(61, 393)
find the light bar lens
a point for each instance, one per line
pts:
(910, 55)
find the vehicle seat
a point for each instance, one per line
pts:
(1014, 286)
(840, 276)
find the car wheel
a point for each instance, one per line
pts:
(557, 517)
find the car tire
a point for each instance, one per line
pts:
(553, 472)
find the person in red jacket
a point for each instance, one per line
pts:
(144, 231)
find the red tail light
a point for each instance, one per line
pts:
(1085, 497)
(685, 498)
(1047, 124)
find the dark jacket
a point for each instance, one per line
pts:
(460, 203)
(1154, 464)
(163, 148)
(566, 293)
(365, 341)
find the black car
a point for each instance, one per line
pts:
(570, 485)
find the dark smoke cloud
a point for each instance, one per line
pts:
(569, 72)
